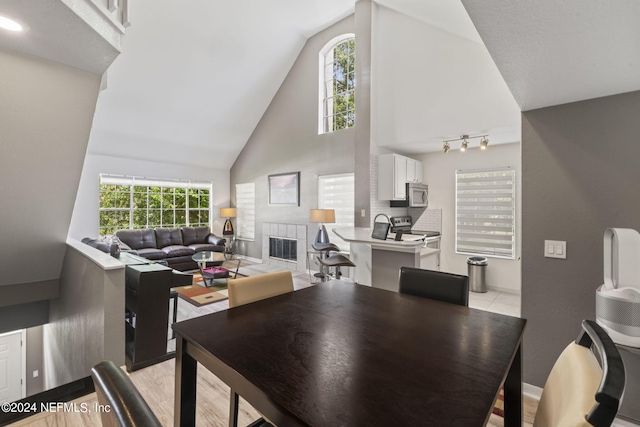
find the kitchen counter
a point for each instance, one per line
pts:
(378, 261)
(363, 235)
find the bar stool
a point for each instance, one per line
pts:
(328, 260)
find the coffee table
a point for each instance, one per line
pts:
(216, 271)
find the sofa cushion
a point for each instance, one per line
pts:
(138, 239)
(177, 250)
(98, 244)
(152, 253)
(215, 240)
(199, 247)
(192, 235)
(168, 237)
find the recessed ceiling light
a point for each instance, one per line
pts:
(9, 24)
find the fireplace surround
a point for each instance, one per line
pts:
(290, 240)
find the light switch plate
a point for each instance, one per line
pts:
(555, 249)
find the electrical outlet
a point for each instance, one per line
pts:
(363, 213)
(36, 373)
(555, 249)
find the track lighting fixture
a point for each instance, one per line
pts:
(465, 143)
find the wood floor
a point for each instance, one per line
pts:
(156, 383)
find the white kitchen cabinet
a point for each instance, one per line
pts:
(394, 171)
(399, 177)
(414, 170)
(418, 171)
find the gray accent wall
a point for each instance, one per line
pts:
(286, 140)
(46, 111)
(581, 175)
(35, 360)
(87, 320)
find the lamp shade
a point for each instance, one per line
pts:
(326, 216)
(228, 212)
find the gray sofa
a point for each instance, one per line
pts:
(175, 246)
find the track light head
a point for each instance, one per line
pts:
(464, 145)
(483, 143)
(445, 147)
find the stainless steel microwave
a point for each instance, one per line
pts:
(417, 196)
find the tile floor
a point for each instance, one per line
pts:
(497, 302)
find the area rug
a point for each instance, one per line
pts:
(198, 294)
(498, 409)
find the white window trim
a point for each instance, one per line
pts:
(132, 181)
(509, 210)
(321, 80)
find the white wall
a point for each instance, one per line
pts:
(85, 219)
(439, 174)
(429, 85)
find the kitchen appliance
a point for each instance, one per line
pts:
(417, 196)
(380, 229)
(405, 223)
(618, 299)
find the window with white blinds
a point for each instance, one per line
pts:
(338, 192)
(485, 212)
(246, 211)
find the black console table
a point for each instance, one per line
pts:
(148, 286)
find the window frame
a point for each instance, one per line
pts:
(166, 189)
(505, 244)
(323, 81)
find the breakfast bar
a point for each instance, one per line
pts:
(378, 261)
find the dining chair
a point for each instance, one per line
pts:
(250, 289)
(580, 391)
(127, 407)
(446, 287)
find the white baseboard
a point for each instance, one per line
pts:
(531, 391)
(248, 258)
(504, 290)
(623, 423)
(535, 392)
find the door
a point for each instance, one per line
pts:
(10, 367)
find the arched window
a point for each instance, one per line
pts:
(338, 84)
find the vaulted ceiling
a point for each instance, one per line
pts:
(197, 76)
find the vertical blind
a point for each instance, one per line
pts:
(338, 192)
(485, 212)
(246, 211)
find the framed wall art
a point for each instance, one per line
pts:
(284, 189)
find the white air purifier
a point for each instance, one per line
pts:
(618, 299)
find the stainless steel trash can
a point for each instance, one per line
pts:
(477, 266)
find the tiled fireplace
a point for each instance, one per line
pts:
(285, 245)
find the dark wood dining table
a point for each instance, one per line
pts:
(342, 354)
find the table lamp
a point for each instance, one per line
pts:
(322, 216)
(227, 229)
